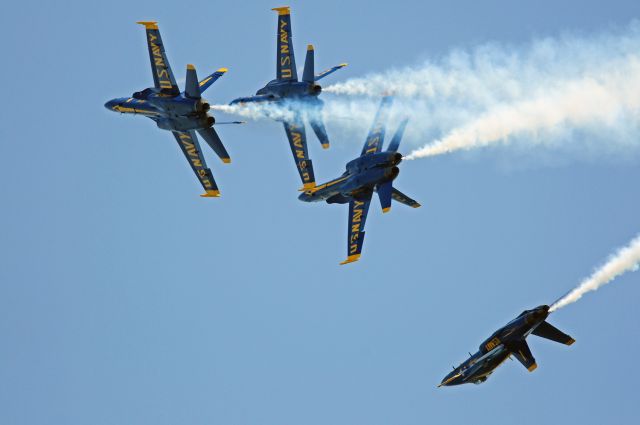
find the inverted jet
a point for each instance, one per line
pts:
(373, 171)
(510, 340)
(298, 99)
(183, 113)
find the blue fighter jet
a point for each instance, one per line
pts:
(373, 171)
(182, 113)
(505, 342)
(300, 98)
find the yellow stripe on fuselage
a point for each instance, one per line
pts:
(329, 184)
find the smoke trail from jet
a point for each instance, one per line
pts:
(626, 259)
(577, 94)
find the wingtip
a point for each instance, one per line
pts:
(310, 47)
(342, 65)
(150, 25)
(386, 210)
(190, 67)
(571, 341)
(417, 205)
(283, 10)
(223, 70)
(351, 259)
(325, 146)
(532, 367)
(211, 194)
(226, 160)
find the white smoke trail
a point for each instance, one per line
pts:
(256, 111)
(626, 259)
(540, 94)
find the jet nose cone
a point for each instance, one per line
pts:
(110, 105)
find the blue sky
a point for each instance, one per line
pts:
(126, 298)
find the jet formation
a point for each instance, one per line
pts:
(186, 114)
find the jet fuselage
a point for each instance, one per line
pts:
(173, 113)
(362, 175)
(497, 348)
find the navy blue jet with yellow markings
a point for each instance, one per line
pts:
(510, 340)
(182, 113)
(299, 97)
(373, 171)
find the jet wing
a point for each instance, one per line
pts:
(188, 142)
(163, 78)
(522, 352)
(358, 210)
(374, 141)
(285, 60)
(298, 142)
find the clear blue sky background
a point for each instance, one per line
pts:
(127, 299)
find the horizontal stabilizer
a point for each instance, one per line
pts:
(329, 71)
(211, 137)
(545, 330)
(210, 79)
(191, 86)
(522, 352)
(314, 115)
(404, 199)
